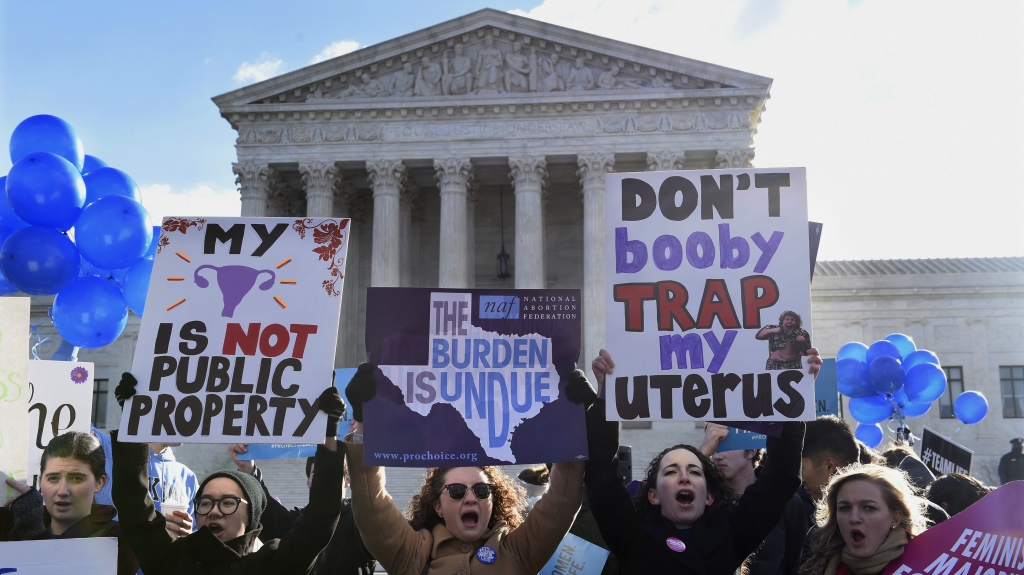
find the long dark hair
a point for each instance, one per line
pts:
(507, 495)
(79, 445)
(718, 486)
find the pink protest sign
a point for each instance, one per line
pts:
(985, 539)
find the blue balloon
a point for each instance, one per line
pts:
(886, 374)
(907, 407)
(91, 163)
(904, 343)
(925, 383)
(153, 245)
(136, 285)
(46, 190)
(90, 312)
(46, 133)
(870, 435)
(855, 350)
(970, 407)
(114, 232)
(917, 358)
(872, 409)
(116, 276)
(103, 182)
(852, 378)
(6, 287)
(882, 348)
(8, 219)
(39, 261)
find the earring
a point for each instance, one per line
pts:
(893, 527)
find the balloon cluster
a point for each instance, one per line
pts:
(53, 193)
(893, 380)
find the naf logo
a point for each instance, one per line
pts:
(499, 307)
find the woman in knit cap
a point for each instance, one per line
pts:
(228, 507)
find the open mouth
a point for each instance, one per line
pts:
(215, 528)
(62, 505)
(470, 519)
(685, 497)
(857, 537)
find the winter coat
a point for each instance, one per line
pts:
(27, 520)
(780, 553)
(345, 554)
(435, 551)
(1011, 466)
(719, 541)
(202, 552)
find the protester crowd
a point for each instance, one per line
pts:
(815, 501)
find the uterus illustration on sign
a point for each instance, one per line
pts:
(235, 282)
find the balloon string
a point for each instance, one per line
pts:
(954, 433)
(39, 340)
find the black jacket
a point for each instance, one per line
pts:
(719, 541)
(202, 552)
(780, 553)
(344, 555)
(1011, 466)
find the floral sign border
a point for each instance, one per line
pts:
(178, 225)
(330, 237)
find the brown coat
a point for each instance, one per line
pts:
(404, 551)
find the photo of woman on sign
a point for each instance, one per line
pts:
(786, 341)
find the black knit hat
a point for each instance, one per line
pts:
(252, 489)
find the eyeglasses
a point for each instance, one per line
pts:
(457, 490)
(227, 504)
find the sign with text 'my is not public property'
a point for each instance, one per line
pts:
(708, 296)
(240, 326)
(472, 377)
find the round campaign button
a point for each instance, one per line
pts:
(675, 544)
(487, 554)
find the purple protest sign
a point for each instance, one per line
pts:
(985, 539)
(472, 377)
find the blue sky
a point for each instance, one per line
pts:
(903, 112)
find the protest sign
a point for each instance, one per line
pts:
(942, 456)
(60, 400)
(708, 310)
(576, 556)
(472, 377)
(985, 539)
(742, 439)
(826, 389)
(239, 331)
(14, 316)
(290, 450)
(87, 556)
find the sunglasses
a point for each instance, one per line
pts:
(457, 490)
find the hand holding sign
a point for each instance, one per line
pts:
(361, 389)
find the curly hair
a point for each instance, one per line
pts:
(718, 485)
(898, 492)
(792, 314)
(508, 498)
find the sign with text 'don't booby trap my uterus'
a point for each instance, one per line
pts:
(239, 331)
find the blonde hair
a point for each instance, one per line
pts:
(898, 493)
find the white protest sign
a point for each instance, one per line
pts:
(60, 400)
(239, 332)
(89, 556)
(700, 267)
(14, 317)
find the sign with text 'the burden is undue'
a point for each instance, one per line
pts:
(708, 295)
(239, 332)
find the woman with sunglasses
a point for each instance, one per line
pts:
(228, 507)
(464, 518)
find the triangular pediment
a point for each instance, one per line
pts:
(490, 53)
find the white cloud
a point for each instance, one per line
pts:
(895, 108)
(161, 200)
(335, 49)
(264, 67)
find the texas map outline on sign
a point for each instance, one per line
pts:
(497, 391)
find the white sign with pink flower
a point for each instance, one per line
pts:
(59, 401)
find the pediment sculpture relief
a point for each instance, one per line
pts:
(496, 66)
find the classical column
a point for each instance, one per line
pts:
(593, 168)
(253, 180)
(528, 174)
(472, 196)
(453, 175)
(342, 195)
(409, 194)
(734, 158)
(665, 161)
(318, 178)
(387, 177)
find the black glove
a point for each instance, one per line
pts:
(361, 389)
(333, 405)
(126, 388)
(579, 390)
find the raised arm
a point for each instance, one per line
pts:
(537, 539)
(141, 525)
